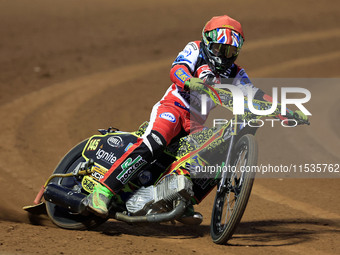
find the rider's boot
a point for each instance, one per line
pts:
(190, 217)
(99, 200)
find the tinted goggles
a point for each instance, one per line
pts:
(223, 50)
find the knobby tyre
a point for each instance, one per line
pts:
(61, 216)
(230, 203)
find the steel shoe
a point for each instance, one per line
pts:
(190, 217)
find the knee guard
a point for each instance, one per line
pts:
(155, 142)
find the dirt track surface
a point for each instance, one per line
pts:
(68, 68)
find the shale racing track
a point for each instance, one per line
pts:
(68, 68)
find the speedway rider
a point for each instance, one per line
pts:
(207, 60)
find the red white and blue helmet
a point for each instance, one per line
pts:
(222, 40)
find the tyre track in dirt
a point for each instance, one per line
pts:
(292, 39)
(44, 109)
(296, 63)
(76, 92)
(306, 208)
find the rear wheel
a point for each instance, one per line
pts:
(59, 215)
(231, 201)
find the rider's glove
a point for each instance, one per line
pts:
(294, 118)
(299, 115)
(194, 84)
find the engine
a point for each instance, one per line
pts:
(160, 198)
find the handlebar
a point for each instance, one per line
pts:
(297, 118)
(216, 93)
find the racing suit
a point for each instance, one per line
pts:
(174, 113)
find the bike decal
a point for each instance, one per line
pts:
(190, 146)
(93, 144)
(129, 167)
(106, 149)
(198, 140)
(142, 128)
(115, 141)
(90, 181)
(88, 184)
(128, 146)
(182, 171)
(215, 92)
(98, 173)
(108, 157)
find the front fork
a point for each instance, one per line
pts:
(224, 176)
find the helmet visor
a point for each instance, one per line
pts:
(224, 50)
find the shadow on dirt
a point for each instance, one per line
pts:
(282, 232)
(163, 230)
(253, 234)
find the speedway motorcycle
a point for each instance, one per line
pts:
(166, 188)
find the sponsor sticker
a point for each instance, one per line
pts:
(168, 116)
(93, 144)
(228, 26)
(129, 167)
(98, 173)
(115, 141)
(193, 45)
(182, 75)
(188, 52)
(108, 157)
(157, 139)
(181, 58)
(128, 146)
(88, 184)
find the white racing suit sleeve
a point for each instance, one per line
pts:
(188, 56)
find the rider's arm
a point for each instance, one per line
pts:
(179, 74)
(184, 65)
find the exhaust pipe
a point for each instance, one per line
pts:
(176, 213)
(65, 198)
(73, 201)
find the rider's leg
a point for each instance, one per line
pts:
(139, 155)
(165, 123)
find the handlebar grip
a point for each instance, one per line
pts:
(301, 121)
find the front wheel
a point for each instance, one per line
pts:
(59, 215)
(231, 201)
